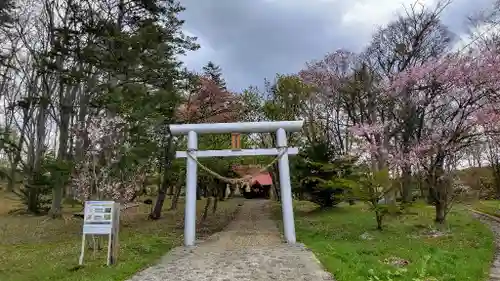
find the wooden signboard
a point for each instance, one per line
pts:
(102, 218)
(235, 141)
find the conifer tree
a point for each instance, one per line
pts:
(214, 72)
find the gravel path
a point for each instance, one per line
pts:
(250, 248)
(494, 225)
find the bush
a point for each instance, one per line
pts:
(322, 176)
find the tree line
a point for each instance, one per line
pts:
(89, 89)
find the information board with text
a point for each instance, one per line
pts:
(98, 217)
(102, 218)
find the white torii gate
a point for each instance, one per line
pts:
(192, 131)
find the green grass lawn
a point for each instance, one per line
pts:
(41, 249)
(336, 237)
(490, 207)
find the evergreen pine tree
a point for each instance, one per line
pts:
(214, 72)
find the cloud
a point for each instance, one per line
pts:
(255, 39)
(200, 57)
(476, 36)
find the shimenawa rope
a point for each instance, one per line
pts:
(246, 181)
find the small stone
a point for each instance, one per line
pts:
(395, 261)
(366, 236)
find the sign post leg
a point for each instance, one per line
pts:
(82, 251)
(286, 189)
(116, 243)
(191, 182)
(110, 249)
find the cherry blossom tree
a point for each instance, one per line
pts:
(450, 101)
(109, 168)
(208, 102)
(456, 100)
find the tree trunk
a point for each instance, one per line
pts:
(175, 199)
(495, 166)
(231, 191)
(440, 212)
(198, 192)
(275, 185)
(33, 185)
(33, 200)
(17, 157)
(57, 196)
(62, 153)
(216, 200)
(438, 189)
(11, 180)
(379, 217)
(170, 190)
(160, 199)
(82, 141)
(407, 187)
(205, 209)
(222, 191)
(162, 192)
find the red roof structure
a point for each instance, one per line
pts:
(263, 178)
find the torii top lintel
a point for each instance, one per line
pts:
(241, 127)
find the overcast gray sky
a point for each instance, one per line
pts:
(255, 39)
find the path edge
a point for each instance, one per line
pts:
(182, 250)
(489, 220)
(327, 274)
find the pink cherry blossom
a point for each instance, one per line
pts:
(97, 175)
(456, 95)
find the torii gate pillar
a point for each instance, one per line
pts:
(192, 130)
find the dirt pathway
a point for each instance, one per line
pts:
(249, 249)
(494, 225)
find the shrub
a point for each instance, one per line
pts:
(322, 176)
